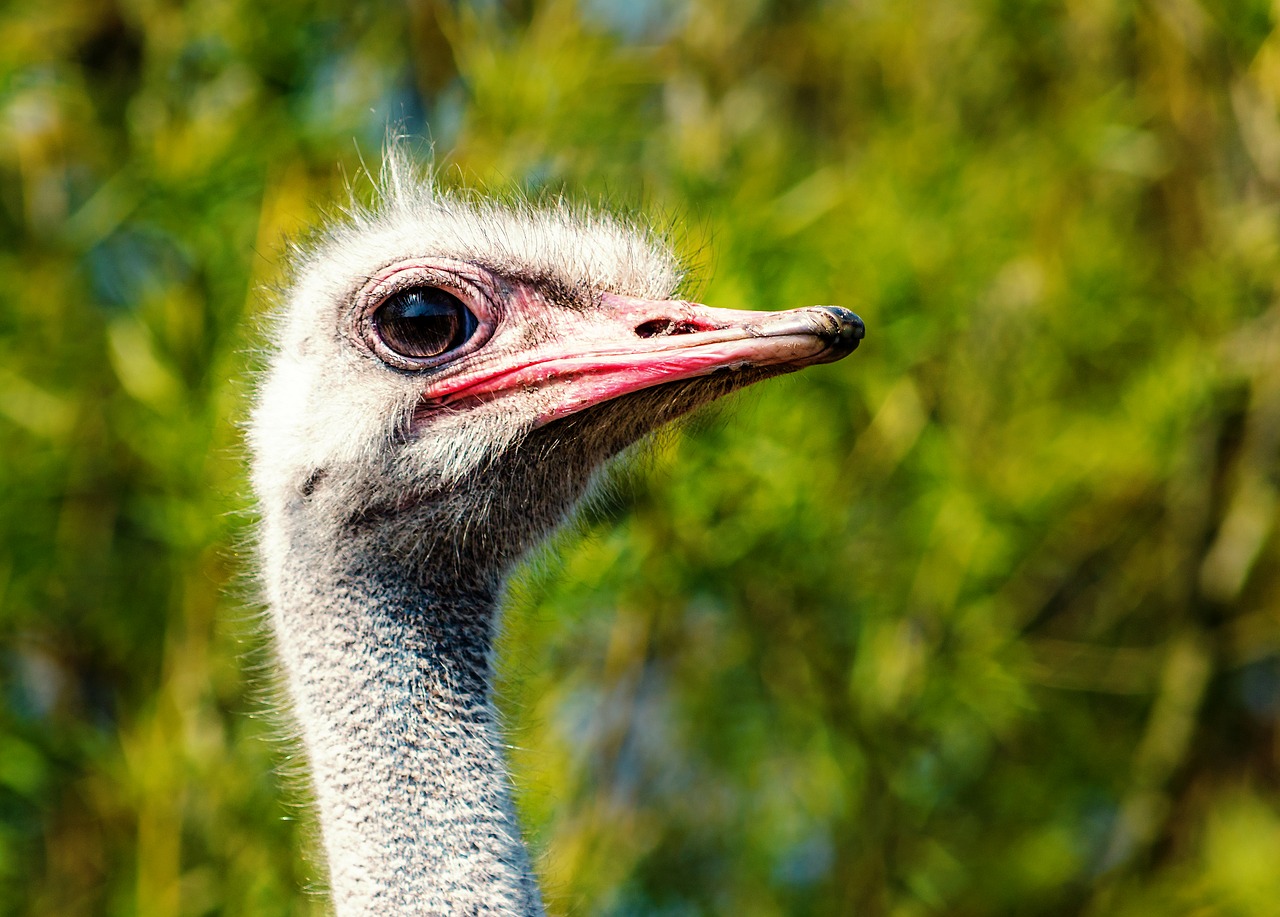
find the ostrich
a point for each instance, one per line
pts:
(448, 374)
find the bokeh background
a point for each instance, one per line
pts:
(983, 620)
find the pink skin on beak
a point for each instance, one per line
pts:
(628, 344)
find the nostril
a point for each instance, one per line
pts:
(654, 328)
(661, 327)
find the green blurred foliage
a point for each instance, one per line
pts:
(981, 621)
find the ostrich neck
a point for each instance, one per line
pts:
(389, 682)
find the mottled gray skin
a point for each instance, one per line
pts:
(386, 537)
(390, 686)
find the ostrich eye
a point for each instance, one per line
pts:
(423, 322)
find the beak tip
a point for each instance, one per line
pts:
(844, 332)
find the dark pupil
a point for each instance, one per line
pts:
(423, 322)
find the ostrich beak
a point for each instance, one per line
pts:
(627, 345)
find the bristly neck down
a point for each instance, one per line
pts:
(389, 680)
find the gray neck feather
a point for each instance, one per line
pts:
(389, 680)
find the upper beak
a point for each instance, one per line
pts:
(632, 344)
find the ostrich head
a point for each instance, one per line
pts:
(451, 371)
(448, 375)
